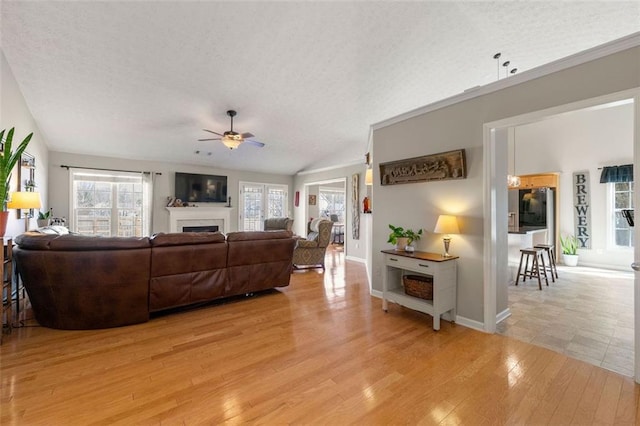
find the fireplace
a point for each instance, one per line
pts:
(206, 228)
(197, 217)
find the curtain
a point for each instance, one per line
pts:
(616, 174)
(148, 183)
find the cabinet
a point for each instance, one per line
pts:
(546, 180)
(443, 271)
(6, 272)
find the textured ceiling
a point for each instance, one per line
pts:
(142, 79)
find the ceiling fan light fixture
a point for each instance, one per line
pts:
(232, 141)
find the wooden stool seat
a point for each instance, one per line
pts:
(536, 271)
(551, 254)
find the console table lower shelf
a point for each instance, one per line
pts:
(443, 271)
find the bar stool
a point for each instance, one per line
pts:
(535, 271)
(550, 250)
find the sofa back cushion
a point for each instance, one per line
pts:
(78, 242)
(77, 287)
(186, 268)
(259, 260)
(182, 238)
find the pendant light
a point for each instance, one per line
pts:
(512, 179)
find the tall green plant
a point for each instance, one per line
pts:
(569, 244)
(8, 160)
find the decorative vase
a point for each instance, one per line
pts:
(43, 222)
(570, 259)
(4, 219)
(401, 243)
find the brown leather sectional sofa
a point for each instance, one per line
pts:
(79, 282)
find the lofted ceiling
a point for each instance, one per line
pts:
(142, 79)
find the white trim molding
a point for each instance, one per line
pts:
(615, 46)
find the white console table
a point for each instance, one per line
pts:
(442, 269)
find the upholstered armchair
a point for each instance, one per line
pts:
(310, 252)
(278, 223)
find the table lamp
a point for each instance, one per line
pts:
(25, 201)
(447, 224)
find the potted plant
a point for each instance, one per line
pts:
(569, 250)
(8, 160)
(44, 218)
(402, 238)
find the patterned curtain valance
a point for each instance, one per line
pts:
(617, 174)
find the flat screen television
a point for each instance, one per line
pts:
(198, 188)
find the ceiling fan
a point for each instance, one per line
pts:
(231, 139)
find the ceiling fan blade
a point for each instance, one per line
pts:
(247, 135)
(256, 143)
(211, 131)
(214, 139)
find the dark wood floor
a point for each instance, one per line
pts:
(319, 351)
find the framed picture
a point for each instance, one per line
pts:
(312, 200)
(26, 179)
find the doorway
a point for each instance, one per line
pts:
(495, 142)
(260, 201)
(327, 199)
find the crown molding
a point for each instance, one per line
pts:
(615, 46)
(328, 168)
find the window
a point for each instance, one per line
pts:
(108, 203)
(622, 199)
(332, 202)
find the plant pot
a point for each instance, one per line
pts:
(570, 259)
(4, 219)
(43, 222)
(401, 243)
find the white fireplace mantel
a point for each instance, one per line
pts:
(199, 216)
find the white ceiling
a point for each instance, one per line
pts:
(142, 79)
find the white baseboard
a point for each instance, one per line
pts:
(376, 293)
(503, 315)
(476, 325)
(356, 259)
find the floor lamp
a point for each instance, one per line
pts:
(25, 201)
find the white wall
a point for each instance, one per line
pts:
(578, 141)
(14, 112)
(460, 126)
(59, 182)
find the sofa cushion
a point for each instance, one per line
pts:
(77, 242)
(181, 238)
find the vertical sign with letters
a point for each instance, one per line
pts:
(582, 209)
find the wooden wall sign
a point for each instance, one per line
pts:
(582, 209)
(443, 166)
(355, 206)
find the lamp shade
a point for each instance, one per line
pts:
(24, 200)
(368, 177)
(447, 224)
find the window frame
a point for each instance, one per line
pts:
(612, 212)
(114, 179)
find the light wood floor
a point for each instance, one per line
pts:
(320, 351)
(586, 314)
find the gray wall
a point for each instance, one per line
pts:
(461, 126)
(59, 182)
